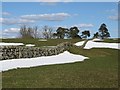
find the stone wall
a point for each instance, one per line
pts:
(15, 52)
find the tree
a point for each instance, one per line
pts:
(28, 32)
(73, 32)
(61, 32)
(65, 32)
(104, 31)
(47, 32)
(96, 35)
(55, 35)
(85, 34)
(35, 32)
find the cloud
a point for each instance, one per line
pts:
(1, 19)
(7, 21)
(27, 19)
(55, 0)
(12, 21)
(112, 11)
(115, 17)
(64, 26)
(8, 35)
(84, 25)
(11, 30)
(48, 3)
(48, 0)
(47, 17)
(60, 1)
(67, 0)
(22, 21)
(75, 14)
(6, 13)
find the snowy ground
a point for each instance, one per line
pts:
(42, 40)
(96, 39)
(30, 45)
(91, 44)
(79, 43)
(62, 58)
(9, 44)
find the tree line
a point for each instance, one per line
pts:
(61, 33)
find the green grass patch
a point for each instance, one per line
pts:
(100, 71)
(49, 42)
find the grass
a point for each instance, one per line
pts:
(115, 40)
(49, 42)
(100, 71)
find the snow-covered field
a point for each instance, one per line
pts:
(79, 43)
(9, 44)
(30, 45)
(91, 44)
(62, 58)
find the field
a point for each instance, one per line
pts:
(100, 71)
(49, 42)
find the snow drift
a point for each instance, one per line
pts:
(10, 44)
(30, 45)
(91, 44)
(62, 58)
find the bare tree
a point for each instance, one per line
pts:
(28, 32)
(47, 32)
(35, 32)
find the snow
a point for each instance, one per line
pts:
(96, 39)
(10, 44)
(79, 43)
(82, 42)
(30, 45)
(62, 58)
(91, 44)
(42, 40)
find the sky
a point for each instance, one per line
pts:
(84, 15)
(60, 0)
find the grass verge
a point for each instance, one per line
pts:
(100, 71)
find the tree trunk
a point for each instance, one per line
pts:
(84, 44)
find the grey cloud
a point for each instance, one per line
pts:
(26, 19)
(47, 17)
(12, 21)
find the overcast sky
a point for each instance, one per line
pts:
(85, 15)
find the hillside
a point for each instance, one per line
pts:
(100, 71)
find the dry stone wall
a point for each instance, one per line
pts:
(15, 52)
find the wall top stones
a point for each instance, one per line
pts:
(15, 52)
